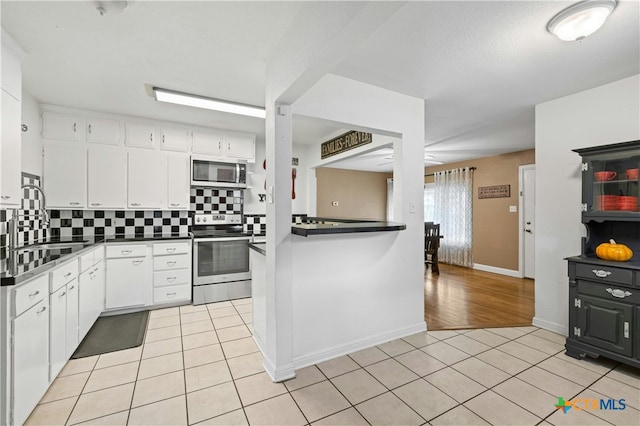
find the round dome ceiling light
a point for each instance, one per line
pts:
(581, 19)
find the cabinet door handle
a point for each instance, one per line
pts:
(162, 138)
(171, 279)
(151, 137)
(171, 249)
(125, 251)
(170, 294)
(171, 263)
(89, 128)
(626, 330)
(5, 197)
(62, 294)
(137, 262)
(34, 294)
(219, 145)
(96, 204)
(74, 203)
(620, 294)
(135, 204)
(72, 287)
(75, 127)
(41, 310)
(95, 270)
(68, 274)
(174, 204)
(600, 273)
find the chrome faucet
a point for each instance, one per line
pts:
(13, 222)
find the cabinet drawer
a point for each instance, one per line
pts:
(63, 274)
(179, 261)
(171, 294)
(604, 274)
(171, 248)
(165, 278)
(126, 250)
(609, 291)
(30, 293)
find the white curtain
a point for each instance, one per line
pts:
(453, 211)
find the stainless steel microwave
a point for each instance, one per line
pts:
(207, 172)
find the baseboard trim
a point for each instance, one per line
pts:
(276, 374)
(496, 270)
(551, 326)
(343, 349)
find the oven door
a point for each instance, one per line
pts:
(218, 260)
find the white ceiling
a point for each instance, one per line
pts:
(480, 66)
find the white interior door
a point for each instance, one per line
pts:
(528, 176)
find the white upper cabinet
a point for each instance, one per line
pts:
(107, 179)
(236, 146)
(65, 175)
(205, 142)
(139, 135)
(144, 188)
(10, 152)
(103, 130)
(12, 56)
(178, 182)
(174, 139)
(11, 142)
(241, 147)
(61, 127)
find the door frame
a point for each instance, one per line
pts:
(521, 170)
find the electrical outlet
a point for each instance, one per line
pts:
(513, 209)
(334, 203)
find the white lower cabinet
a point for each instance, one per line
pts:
(30, 353)
(72, 318)
(171, 271)
(58, 331)
(128, 282)
(63, 316)
(91, 296)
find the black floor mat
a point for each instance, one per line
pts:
(114, 333)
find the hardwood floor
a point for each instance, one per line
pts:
(467, 298)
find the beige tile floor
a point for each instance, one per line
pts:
(199, 365)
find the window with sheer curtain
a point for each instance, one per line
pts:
(429, 202)
(453, 200)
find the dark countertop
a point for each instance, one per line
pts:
(323, 226)
(259, 247)
(29, 261)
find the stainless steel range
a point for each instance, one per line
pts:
(220, 259)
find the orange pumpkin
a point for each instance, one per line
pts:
(613, 251)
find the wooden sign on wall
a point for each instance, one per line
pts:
(344, 143)
(496, 191)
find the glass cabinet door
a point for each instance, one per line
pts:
(613, 185)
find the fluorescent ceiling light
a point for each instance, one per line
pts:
(581, 19)
(164, 95)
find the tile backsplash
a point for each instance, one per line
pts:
(89, 223)
(216, 200)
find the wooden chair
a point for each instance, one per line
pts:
(431, 244)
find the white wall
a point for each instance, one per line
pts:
(599, 116)
(252, 204)
(31, 141)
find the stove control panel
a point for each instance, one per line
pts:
(217, 219)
